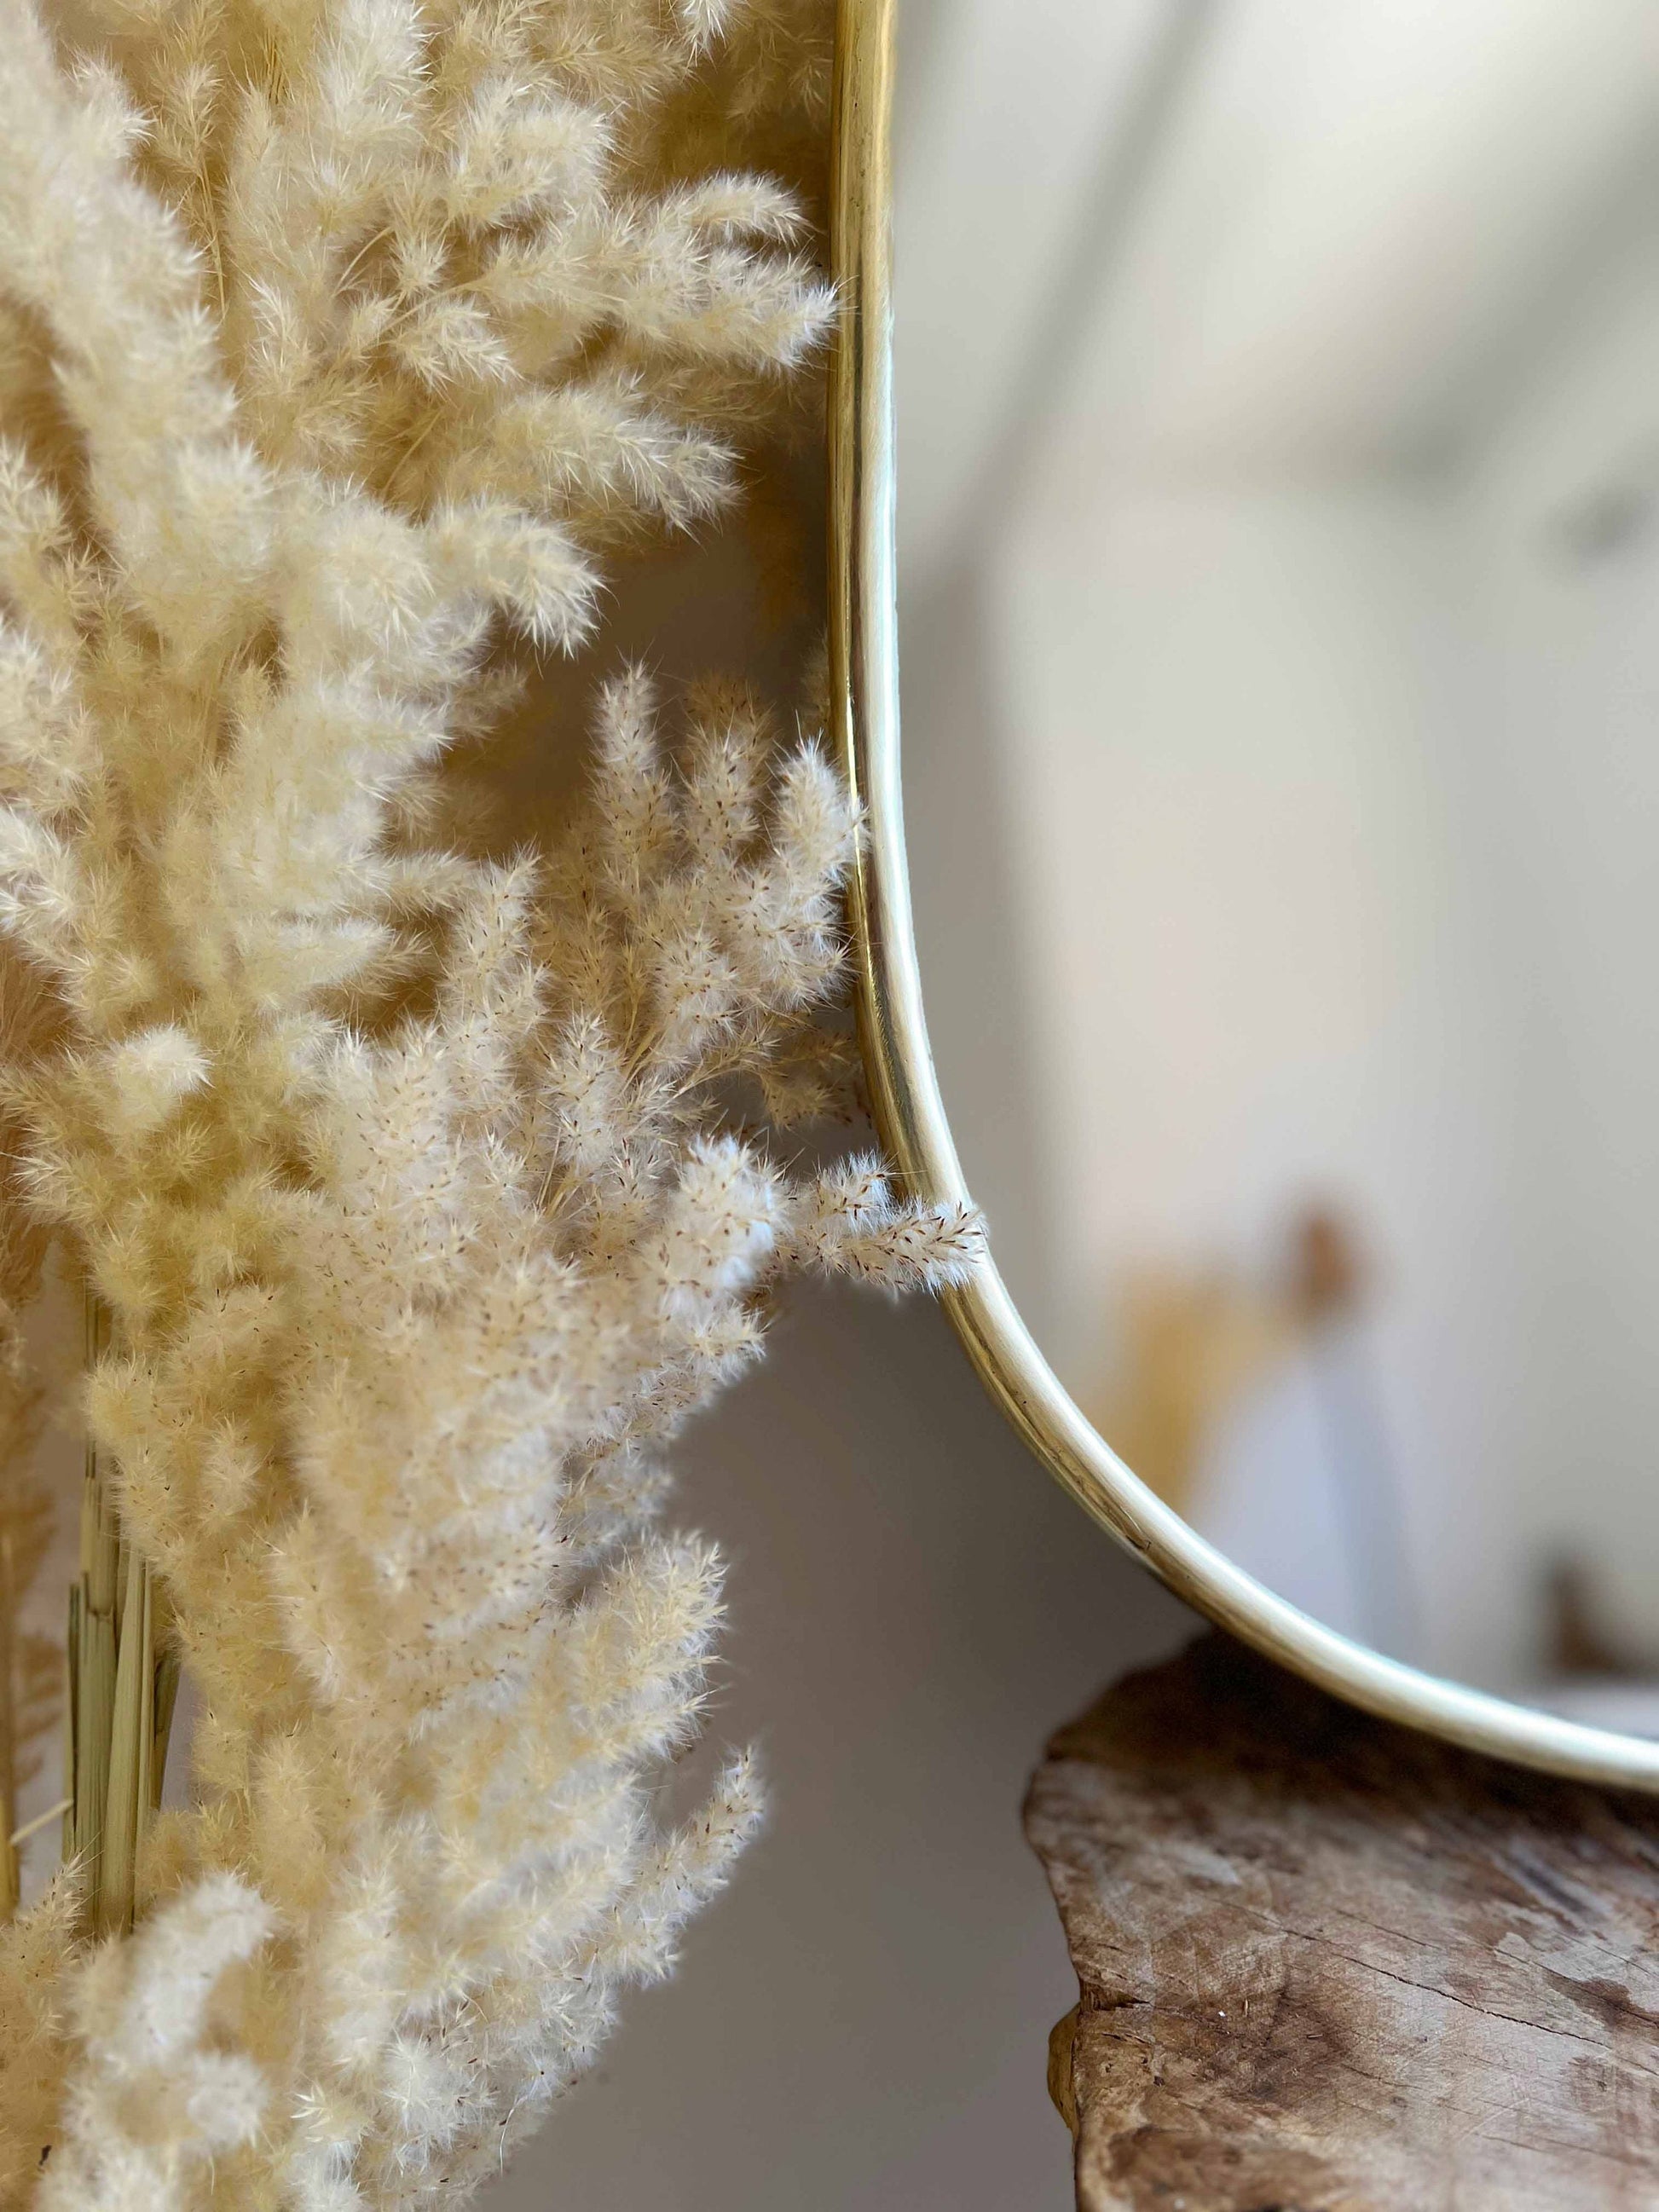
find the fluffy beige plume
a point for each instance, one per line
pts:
(423, 1192)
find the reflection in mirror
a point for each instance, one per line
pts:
(1279, 454)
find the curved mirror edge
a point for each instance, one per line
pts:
(908, 1109)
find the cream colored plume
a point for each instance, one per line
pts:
(426, 1195)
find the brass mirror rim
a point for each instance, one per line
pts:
(908, 1109)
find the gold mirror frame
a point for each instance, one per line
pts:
(905, 1096)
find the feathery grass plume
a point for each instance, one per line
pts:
(426, 1195)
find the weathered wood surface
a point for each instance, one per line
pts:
(1328, 1966)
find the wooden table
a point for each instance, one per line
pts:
(1327, 1964)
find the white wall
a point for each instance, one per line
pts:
(1571, 773)
(1348, 207)
(1009, 124)
(1266, 959)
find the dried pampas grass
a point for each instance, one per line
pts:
(419, 1191)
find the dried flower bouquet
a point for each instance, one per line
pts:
(339, 340)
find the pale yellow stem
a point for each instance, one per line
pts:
(132, 1717)
(120, 1701)
(8, 1882)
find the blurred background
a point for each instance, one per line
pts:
(1279, 405)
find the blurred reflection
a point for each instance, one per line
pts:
(1298, 515)
(1251, 1408)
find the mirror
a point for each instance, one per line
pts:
(1277, 454)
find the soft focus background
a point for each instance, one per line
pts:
(1279, 532)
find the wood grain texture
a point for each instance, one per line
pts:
(1329, 1965)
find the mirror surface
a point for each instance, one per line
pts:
(1279, 467)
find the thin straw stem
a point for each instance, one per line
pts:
(8, 1881)
(120, 1698)
(131, 1728)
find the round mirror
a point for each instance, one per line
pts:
(1278, 575)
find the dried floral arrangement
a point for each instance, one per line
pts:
(340, 342)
